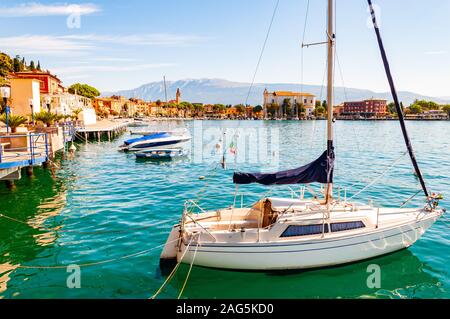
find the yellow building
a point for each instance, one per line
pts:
(25, 96)
(278, 97)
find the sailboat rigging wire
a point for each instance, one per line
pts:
(380, 176)
(262, 51)
(302, 49)
(410, 198)
(396, 100)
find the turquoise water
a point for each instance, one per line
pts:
(107, 207)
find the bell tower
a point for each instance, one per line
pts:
(178, 96)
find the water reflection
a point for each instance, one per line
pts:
(403, 275)
(28, 236)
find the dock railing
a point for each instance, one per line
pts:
(20, 150)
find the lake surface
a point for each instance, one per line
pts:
(106, 212)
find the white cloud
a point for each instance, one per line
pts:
(435, 52)
(83, 69)
(165, 39)
(34, 9)
(78, 44)
(43, 45)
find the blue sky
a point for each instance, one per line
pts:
(123, 44)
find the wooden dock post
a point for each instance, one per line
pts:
(10, 184)
(29, 170)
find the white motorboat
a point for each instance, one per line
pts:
(301, 233)
(156, 140)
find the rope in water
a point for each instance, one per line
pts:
(190, 269)
(172, 273)
(97, 262)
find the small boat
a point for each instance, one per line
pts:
(156, 140)
(161, 153)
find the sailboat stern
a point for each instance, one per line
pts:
(168, 257)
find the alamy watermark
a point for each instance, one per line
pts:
(253, 145)
(73, 21)
(374, 279)
(74, 279)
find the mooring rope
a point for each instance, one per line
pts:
(172, 273)
(97, 262)
(190, 269)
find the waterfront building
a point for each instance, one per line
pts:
(295, 98)
(112, 105)
(338, 110)
(366, 108)
(25, 96)
(49, 83)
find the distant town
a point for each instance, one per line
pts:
(37, 95)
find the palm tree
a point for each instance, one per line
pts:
(75, 113)
(14, 121)
(46, 117)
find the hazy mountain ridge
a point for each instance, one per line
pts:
(228, 92)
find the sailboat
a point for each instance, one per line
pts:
(286, 233)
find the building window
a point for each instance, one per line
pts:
(304, 230)
(337, 227)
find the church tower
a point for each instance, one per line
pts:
(266, 101)
(178, 96)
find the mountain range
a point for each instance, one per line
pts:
(228, 92)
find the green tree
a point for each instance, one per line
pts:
(287, 107)
(324, 104)
(446, 108)
(6, 65)
(272, 109)
(240, 108)
(76, 113)
(257, 109)
(416, 109)
(198, 108)
(219, 108)
(319, 111)
(39, 66)
(32, 66)
(391, 108)
(84, 90)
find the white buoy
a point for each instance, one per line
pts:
(72, 148)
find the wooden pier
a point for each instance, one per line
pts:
(102, 129)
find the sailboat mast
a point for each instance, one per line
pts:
(330, 77)
(165, 89)
(396, 101)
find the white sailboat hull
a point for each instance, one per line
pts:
(305, 254)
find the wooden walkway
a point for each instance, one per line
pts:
(105, 127)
